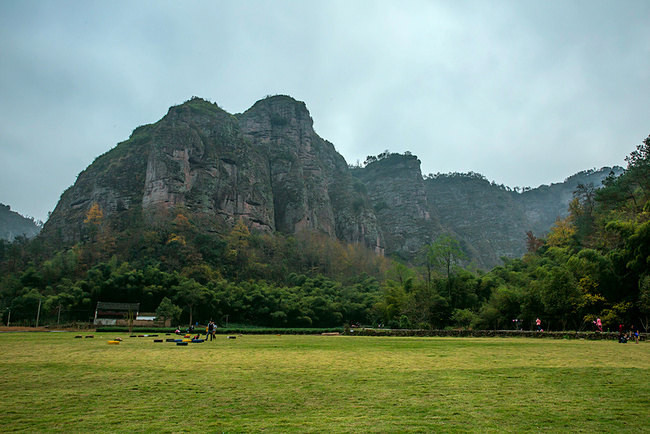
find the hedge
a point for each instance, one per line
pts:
(490, 333)
(227, 330)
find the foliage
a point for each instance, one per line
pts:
(168, 311)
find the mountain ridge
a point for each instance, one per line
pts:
(14, 225)
(268, 168)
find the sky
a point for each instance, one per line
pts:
(524, 92)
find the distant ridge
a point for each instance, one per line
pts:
(13, 225)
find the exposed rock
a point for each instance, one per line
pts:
(311, 184)
(396, 190)
(491, 221)
(266, 166)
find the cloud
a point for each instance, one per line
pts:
(523, 92)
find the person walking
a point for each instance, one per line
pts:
(599, 324)
(538, 322)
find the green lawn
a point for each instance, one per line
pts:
(54, 382)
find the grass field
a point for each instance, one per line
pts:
(54, 382)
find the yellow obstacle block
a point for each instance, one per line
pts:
(187, 340)
(113, 342)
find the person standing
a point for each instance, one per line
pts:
(210, 330)
(538, 322)
(599, 324)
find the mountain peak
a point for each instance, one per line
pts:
(279, 111)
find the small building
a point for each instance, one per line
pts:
(118, 314)
(109, 313)
(145, 319)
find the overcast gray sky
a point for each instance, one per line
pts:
(524, 92)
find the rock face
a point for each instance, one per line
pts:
(491, 221)
(488, 221)
(198, 158)
(397, 192)
(268, 168)
(309, 181)
(14, 225)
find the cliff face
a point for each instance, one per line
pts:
(199, 159)
(266, 166)
(270, 169)
(490, 221)
(309, 181)
(396, 190)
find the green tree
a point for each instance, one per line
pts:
(168, 311)
(560, 294)
(463, 318)
(443, 254)
(638, 168)
(191, 294)
(581, 210)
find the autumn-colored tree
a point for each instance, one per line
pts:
(561, 234)
(94, 215)
(102, 242)
(181, 223)
(237, 249)
(93, 220)
(532, 242)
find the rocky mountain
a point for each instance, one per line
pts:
(491, 221)
(397, 192)
(14, 225)
(268, 168)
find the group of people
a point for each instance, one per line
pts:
(210, 331)
(623, 337)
